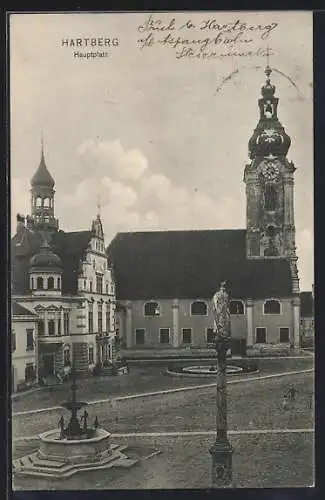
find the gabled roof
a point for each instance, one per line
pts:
(70, 247)
(306, 304)
(18, 310)
(192, 264)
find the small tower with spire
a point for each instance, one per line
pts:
(269, 179)
(42, 197)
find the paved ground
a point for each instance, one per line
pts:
(267, 459)
(142, 378)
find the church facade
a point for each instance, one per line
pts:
(165, 280)
(65, 279)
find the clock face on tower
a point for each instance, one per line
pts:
(270, 170)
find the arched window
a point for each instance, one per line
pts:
(199, 308)
(32, 283)
(272, 307)
(152, 309)
(59, 283)
(236, 307)
(38, 202)
(39, 283)
(50, 283)
(46, 203)
(270, 198)
(51, 327)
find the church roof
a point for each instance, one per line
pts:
(306, 304)
(18, 310)
(69, 246)
(42, 176)
(192, 264)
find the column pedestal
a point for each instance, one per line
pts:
(222, 450)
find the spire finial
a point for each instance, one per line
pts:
(42, 144)
(98, 206)
(268, 69)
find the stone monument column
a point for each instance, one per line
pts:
(249, 312)
(175, 309)
(222, 450)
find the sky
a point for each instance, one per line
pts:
(159, 137)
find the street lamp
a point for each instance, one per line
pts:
(222, 450)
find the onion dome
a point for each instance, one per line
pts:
(42, 176)
(269, 137)
(46, 259)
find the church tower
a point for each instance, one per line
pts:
(42, 198)
(269, 179)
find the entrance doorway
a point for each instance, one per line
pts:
(48, 360)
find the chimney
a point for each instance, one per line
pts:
(20, 222)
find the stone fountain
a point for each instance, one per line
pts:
(73, 447)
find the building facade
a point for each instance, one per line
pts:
(165, 280)
(24, 372)
(66, 280)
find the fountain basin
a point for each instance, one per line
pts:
(211, 370)
(74, 451)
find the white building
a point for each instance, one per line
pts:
(64, 278)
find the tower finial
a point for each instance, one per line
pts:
(98, 206)
(268, 69)
(42, 145)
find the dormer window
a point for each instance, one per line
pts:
(236, 307)
(152, 309)
(272, 306)
(199, 308)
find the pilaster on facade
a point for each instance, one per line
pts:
(128, 324)
(175, 330)
(296, 321)
(249, 316)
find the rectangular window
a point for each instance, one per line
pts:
(13, 341)
(108, 318)
(210, 335)
(41, 327)
(261, 335)
(99, 284)
(66, 322)
(100, 318)
(91, 355)
(30, 339)
(187, 335)
(91, 286)
(164, 335)
(90, 318)
(59, 327)
(139, 336)
(29, 372)
(284, 335)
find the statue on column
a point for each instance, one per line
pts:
(221, 312)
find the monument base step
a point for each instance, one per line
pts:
(31, 465)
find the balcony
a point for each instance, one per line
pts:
(52, 339)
